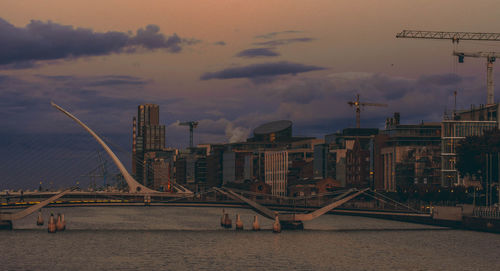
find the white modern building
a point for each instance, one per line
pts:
(276, 171)
(458, 126)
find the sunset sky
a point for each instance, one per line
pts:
(231, 65)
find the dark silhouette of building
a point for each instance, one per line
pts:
(348, 154)
(459, 125)
(408, 155)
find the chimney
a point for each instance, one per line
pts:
(134, 128)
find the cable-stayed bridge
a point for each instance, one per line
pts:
(137, 193)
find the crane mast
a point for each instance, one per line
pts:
(455, 37)
(490, 58)
(357, 105)
(192, 125)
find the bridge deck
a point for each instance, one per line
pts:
(339, 200)
(32, 209)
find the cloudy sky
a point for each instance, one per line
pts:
(231, 65)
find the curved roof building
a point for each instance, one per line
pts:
(280, 130)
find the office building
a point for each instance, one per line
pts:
(407, 155)
(459, 125)
(276, 171)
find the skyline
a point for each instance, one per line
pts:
(232, 65)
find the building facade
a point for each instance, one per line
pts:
(148, 136)
(276, 171)
(409, 155)
(456, 127)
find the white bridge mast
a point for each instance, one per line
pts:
(134, 186)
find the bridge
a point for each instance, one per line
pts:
(133, 185)
(6, 219)
(290, 214)
(137, 191)
(291, 211)
(293, 220)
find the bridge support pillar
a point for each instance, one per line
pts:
(292, 225)
(5, 225)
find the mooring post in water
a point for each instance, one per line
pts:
(239, 223)
(227, 221)
(39, 220)
(61, 224)
(222, 218)
(255, 225)
(52, 224)
(277, 224)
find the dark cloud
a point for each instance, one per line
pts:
(53, 146)
(110, 82)
(221, 43)
(96, 81)
(257, 52)
(274, 34)
(279, 42)
(23, 47)
(151, 38)
(55, 159)
(28, 101)
(305, 99)
(260, 70)
(440, 79)
(315, 102)
(56, 77)
(28, 64)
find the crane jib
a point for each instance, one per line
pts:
(454, 36)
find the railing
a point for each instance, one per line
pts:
(486, 212)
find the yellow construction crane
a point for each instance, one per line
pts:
(192, 125)
(357, 104)
(455, 37)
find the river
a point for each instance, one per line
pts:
(187, 238)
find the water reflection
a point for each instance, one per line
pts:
(173, 238)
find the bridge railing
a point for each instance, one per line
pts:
(486, 212)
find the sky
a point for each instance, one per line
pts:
(231, 65)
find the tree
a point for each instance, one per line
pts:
(471, 152)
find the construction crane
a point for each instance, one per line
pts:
(455, 37)
(192, 125)
(357, 104)
(490, 58)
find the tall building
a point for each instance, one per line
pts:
(148, 135)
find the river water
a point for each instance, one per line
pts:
(187, 238)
